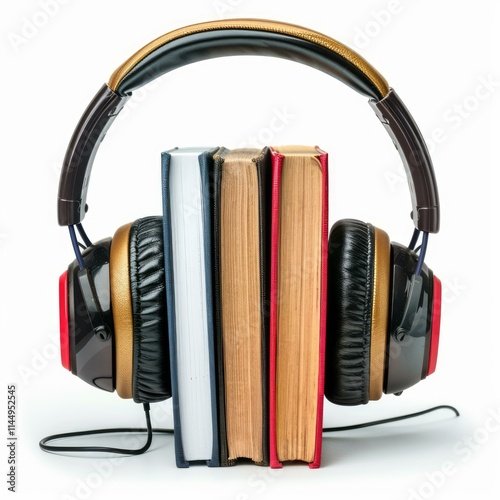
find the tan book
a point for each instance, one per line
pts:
(241, 239)
(298, 303)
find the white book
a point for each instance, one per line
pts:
(187, 221)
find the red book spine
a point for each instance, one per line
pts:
(277, 163)
(323, 158)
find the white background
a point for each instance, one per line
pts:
(438, 55)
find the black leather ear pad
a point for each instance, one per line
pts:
(151, 366)
(351, 250)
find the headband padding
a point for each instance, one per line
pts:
(230, 37)
(151, 366)
(351, 252)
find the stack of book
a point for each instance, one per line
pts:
(246, 263)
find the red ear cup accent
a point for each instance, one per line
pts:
(436, 325)
(64, 320)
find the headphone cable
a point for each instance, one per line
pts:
(392, 419)
(149, 430)
(105, 449)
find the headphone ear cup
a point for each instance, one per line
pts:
(358, 306)
(412, 350)
(86, 320)
(139, 311)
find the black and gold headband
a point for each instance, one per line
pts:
(247, 37)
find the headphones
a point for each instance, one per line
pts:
(384, 303)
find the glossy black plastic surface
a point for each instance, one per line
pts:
(80, 154)
(416, 159)
(105, 106)
(408, 347)
(90, 318)
(234, 42)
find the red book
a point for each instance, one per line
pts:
(299, 252)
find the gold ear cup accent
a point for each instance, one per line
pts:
(121, 302)
(257, 25)
(380, 312)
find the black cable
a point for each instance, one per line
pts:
(392, 419)
(104, 449)
(414, 239)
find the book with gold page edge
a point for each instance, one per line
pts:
(241, 236)
(299, 252)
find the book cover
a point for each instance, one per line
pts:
(299, 251)
(187, 218)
